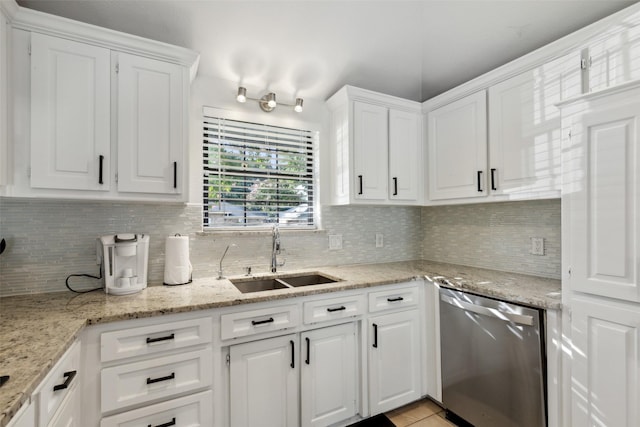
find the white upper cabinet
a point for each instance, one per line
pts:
(95, 114)
(150, 125)
(375, 149)
(370, 136)
(615, 57)
(70, 101)
(4, 35)
(457, 147)
(404, 142)
(601, 194)
(524, 129)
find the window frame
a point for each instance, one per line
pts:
(217, 113)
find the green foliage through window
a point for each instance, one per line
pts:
(255, 174)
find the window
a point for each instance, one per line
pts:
(257, 175)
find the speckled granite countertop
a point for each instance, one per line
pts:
(36, 330)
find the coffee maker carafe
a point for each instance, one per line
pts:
(124, 263)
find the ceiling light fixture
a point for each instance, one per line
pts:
(268, 102)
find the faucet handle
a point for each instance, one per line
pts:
(248, 271)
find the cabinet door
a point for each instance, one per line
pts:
(605, 371)
(615, 58)
(328, 375)
(601, 197)
(405, 155)
(264, 383)
(370, 137)
(457, 148)
(70, 114)
(68, 415)
(394, 360)
(524, 132)
(150, 126)
(26, 416)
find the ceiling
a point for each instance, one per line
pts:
(311, 48)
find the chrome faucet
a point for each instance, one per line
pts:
(275, 249)
(220, 275)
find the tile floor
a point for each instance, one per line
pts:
(424, 413)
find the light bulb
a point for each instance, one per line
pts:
(298, 106)
(242, 94)
(271, 100)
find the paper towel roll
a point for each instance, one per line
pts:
(177, 268)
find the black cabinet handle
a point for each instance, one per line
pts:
(308, 349)
(262, 322)
(175, 174)
(395, 186)
(168, 337)
(395, 299)
(169, 424)
(101, 163)
(360, 184)
(157, 380)
(479, 179)
(69, 376)
(493, 179)
(293, 353)
(331, 310)
(375, 336)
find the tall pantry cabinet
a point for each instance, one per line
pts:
(601, 254)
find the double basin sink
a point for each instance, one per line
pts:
(284, 281)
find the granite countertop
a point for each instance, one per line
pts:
(36, 330)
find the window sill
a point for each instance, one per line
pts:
(260, 232)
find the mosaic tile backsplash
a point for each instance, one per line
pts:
(47, 240)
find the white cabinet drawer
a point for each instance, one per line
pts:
(251, 322)
(154, 339)
(162, 377)
(393, 298)
(195, 410)
(57, 384)
(334, 308)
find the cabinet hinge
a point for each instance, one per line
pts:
(569, 271)
(117, 68)
(116, 177)
(228, 359)
(29, 49)
(29, 172)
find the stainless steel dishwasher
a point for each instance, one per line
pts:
(493, 361)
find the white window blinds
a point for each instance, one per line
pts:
(256, 175)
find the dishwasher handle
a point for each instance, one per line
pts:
(520, 319)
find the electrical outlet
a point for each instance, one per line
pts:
(537, 246)
(335, 241)
(379, 240)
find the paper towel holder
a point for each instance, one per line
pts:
(190, 272)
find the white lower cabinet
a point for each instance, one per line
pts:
(394, 360)
(606, 362)
(195, 410)
(295, 380)
(26, 417)
(328, 375)
(264, 383)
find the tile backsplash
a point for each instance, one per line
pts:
(495, 235)
(51, 239)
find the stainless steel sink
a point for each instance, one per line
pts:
(284, 281)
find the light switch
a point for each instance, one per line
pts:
(335, 241)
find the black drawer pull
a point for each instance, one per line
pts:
(479, 183)
(493, 179)
(307, 361)
(331, 310)
(395, 299)
(395, 186)
(69, 376)
(169, 424)
(293, 354)
(262, 322)
(157, 380)
(168, 337)
(360, 181)
(175, 174)
(101, 158)
(375, 336)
